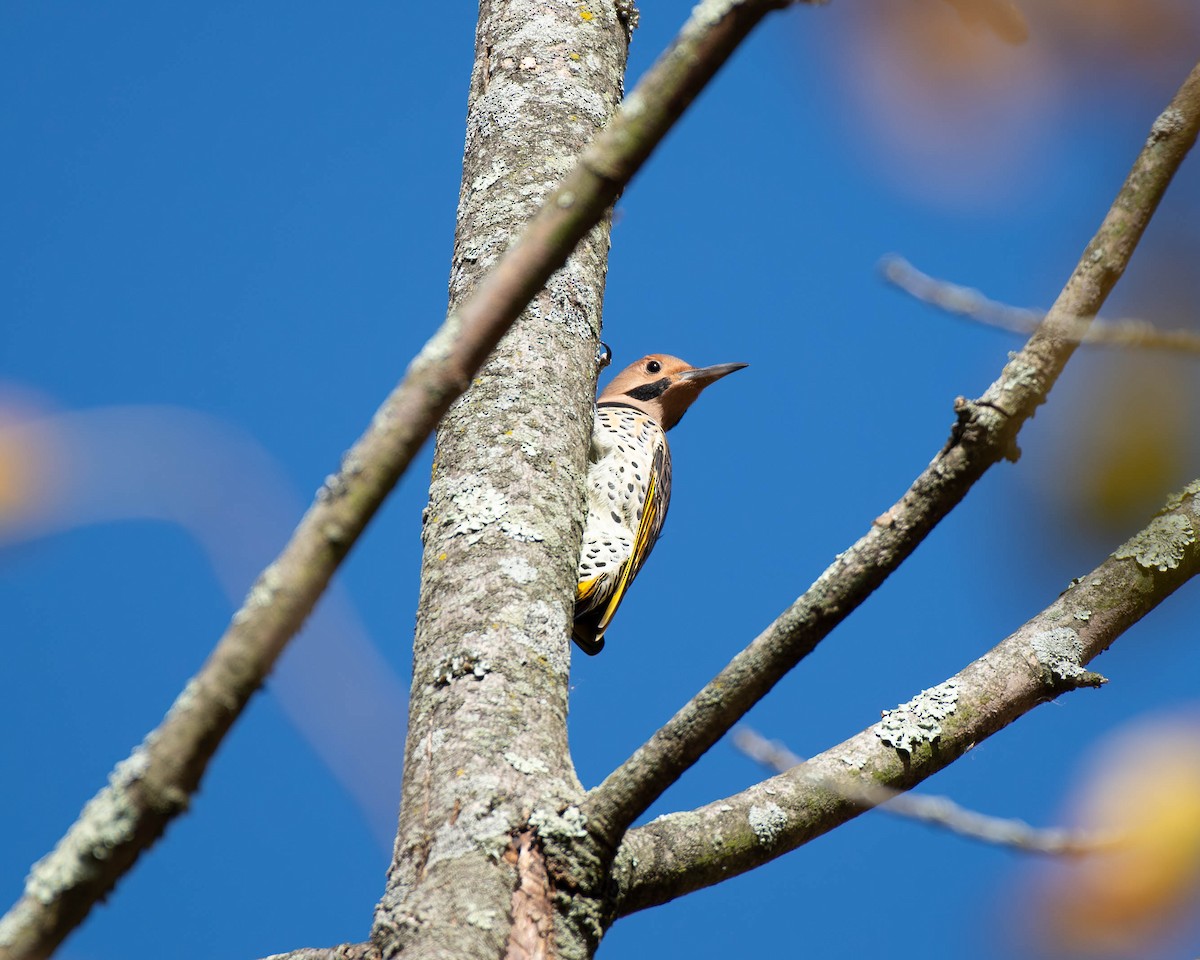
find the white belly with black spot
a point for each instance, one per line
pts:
(622, 452)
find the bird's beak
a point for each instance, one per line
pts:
(703, 376)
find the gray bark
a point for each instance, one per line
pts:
(486, 744)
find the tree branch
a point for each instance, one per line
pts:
(152, 786)
(966, 302)
(345, 951)
(682, 852)
(938, 811)
(505, 505)
(984, 434)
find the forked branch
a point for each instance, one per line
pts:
(682, 852)
(985, 433)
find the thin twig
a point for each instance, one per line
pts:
(973, 305)
(939, 811)
(1043, 659)
(984, 434)
(153, 786)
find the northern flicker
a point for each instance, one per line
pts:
(629, 481)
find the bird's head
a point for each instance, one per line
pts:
(662, 386)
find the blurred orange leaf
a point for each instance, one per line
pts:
(1145, 790)
(30, 458)
(1001, 16)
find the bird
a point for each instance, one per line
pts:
(629, 481)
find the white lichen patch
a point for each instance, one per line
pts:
(1162, 545)
(478, 828)
(497, 171)
(1175, 501)
(920, 719)
(1168, 122)
(568, 825)
(628, 13)
(1060, 651)
(183, 703)
(474, 504)
(333, 487)
(470, 663)
(529, 765)
(262, 594)
(767, 822)
(520, 532)
(482, 918)
(1020, 376)
(527, 439)
(108, 821)
(518, 569)
(708, 13)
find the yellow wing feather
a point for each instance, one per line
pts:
(585, 589)
(642, 543)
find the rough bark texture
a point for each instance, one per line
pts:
(487, 725)
(682, 852)
(533, 902)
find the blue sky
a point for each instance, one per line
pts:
(226, 233)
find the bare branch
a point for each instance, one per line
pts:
(682, 852)
(346, 951)
(985, 433)
(151, 787)
(939, 811)
(970, 303)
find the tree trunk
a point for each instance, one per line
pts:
(487, 742)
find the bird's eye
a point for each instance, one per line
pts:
(653, 366)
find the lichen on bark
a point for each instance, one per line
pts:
(505, 507)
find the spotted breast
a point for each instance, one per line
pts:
(629, 489)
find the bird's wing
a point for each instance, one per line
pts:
(650, 523)
(589, 595)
